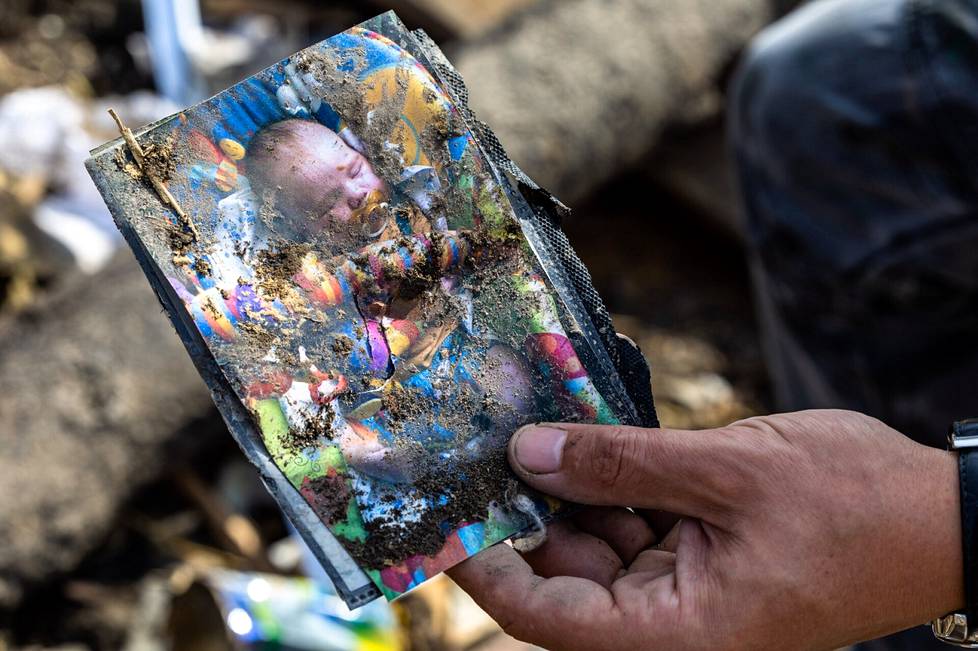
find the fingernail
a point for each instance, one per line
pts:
(538, 448)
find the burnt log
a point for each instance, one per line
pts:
(579, 90)
(95, 390)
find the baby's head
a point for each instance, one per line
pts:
(321, 182)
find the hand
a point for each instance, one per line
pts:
(808, 530)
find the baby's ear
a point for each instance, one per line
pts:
(350, 139)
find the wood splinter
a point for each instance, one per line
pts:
(161, 189)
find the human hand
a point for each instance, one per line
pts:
(808, 530)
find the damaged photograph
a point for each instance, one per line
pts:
(353, 265)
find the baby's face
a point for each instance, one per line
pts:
(323, 180)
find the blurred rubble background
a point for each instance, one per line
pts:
(128, 519)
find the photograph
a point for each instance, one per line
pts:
(359, 275)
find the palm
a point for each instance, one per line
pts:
(605, 577)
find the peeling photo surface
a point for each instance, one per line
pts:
(355, 267)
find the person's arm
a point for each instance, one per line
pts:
(809, 530)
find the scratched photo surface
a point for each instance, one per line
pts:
(359, 275)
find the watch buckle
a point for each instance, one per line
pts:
(953, 629)
(963, 435)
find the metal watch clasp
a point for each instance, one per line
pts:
(953, 629)
(963, 435)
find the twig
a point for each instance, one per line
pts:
(161, 189)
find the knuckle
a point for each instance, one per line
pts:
(512, 624)
(759, 429)
(611, 459)
(861, 422)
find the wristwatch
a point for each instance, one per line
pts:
(961, 628)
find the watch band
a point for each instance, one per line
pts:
(963, 433)
(961, 628)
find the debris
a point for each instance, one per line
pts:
(45, 136)
(88, 417)
(601, 79)
(467, 19)
(234, 530)
(152, 174)
(293, 612)
(147, 626)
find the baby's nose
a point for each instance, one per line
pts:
(367, 181)
(357, 199)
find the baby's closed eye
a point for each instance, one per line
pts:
(356, 168)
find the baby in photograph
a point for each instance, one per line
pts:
(327, 192)
(319, 181)
(328, 189)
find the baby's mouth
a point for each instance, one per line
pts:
(372, 214)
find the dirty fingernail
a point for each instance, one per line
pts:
(538, 448)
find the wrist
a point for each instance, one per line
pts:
(927, 549)
(947, 574)
(959, 627)
(918, 551)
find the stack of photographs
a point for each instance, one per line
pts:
(369, 298)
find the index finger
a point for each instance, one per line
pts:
(556, 613)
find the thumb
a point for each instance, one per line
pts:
(688, 472)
